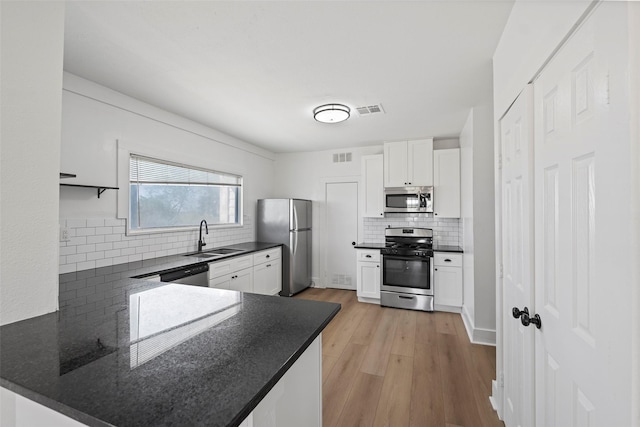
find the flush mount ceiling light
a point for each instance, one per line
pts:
(331, 113)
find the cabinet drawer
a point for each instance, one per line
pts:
(264, 256)
(219, 268)
(447, 259)
(368, 255)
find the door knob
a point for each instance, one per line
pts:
(526, 320)
(517, 313)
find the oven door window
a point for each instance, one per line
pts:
(407, 272)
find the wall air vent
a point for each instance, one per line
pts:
(341, 157)
(370, 109)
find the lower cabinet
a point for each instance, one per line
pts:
(295, 400)
(447, 280)
(267, 278)
(237, 281)
(259, 273)
(369, 272)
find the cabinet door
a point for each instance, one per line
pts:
(242, 280)
(420, 162)
(267, 278)
(372, 175)
(446, 185)
(448, 286)
(368, 280)
(220, 282)
(395, 164)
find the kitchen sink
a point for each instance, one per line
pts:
(204, 255)
(214, 253)
(223, 251)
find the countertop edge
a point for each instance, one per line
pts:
(251, 405)
(54, 405)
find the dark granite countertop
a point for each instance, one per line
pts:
(436, 248)
(447, 248)
(126, 352)
(363, 245)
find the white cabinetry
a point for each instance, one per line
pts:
(372, 177)
(260, 272)
(408, 163)
(446, 183)
(296, 399)
(447, 281)
(368, 275)
(267, 272)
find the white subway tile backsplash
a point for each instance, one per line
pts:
(446, 231)
(95, 222)
(88, 231)
(101, 242)
(71, 259)
(76, 223)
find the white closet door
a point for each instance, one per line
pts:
(583, 282)
(341, 230)
(516, 132)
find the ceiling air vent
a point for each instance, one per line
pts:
(341, 157)
(370, 109)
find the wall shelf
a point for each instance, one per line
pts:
(100, 188)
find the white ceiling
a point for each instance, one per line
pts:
(256, 70)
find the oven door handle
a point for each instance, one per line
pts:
(407, 258)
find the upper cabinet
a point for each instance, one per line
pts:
(372, 197)
(408, 163)
(446, 183)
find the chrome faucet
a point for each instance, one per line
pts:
(200, 242)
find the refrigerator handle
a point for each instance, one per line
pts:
(295, 243)
(295, 216)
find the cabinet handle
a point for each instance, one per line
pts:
(381, 214)
(368, 256)
(447, 260)
(435, 269)
(268, 265)
(268, 256)
(377, 266)
(435, 213)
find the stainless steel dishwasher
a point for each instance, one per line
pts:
(195, 275)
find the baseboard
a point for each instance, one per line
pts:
(315, 283)
(477, 335)
(496, 398)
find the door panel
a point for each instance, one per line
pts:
(516, 129)
(582, 255)
(341, 230)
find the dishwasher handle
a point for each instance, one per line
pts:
(184, 272)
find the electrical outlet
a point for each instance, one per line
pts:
(64, 234)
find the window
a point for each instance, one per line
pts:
(170, 195)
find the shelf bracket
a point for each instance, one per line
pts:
(100, 191)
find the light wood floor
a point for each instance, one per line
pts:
(390, 367)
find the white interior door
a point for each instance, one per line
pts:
(516, 132)
(583, 279)
(341, 230)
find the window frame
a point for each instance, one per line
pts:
(169, 229)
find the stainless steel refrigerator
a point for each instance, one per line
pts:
(288, 221)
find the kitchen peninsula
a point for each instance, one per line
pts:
(137, 352)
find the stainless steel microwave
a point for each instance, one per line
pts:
(408, 199)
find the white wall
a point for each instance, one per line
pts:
(100, 127)
(477, 207)
(301, 175)
(534, 29)
(466, 212)
(31, 56)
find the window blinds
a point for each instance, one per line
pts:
(153, 171)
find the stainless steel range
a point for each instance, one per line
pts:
(407, 274)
